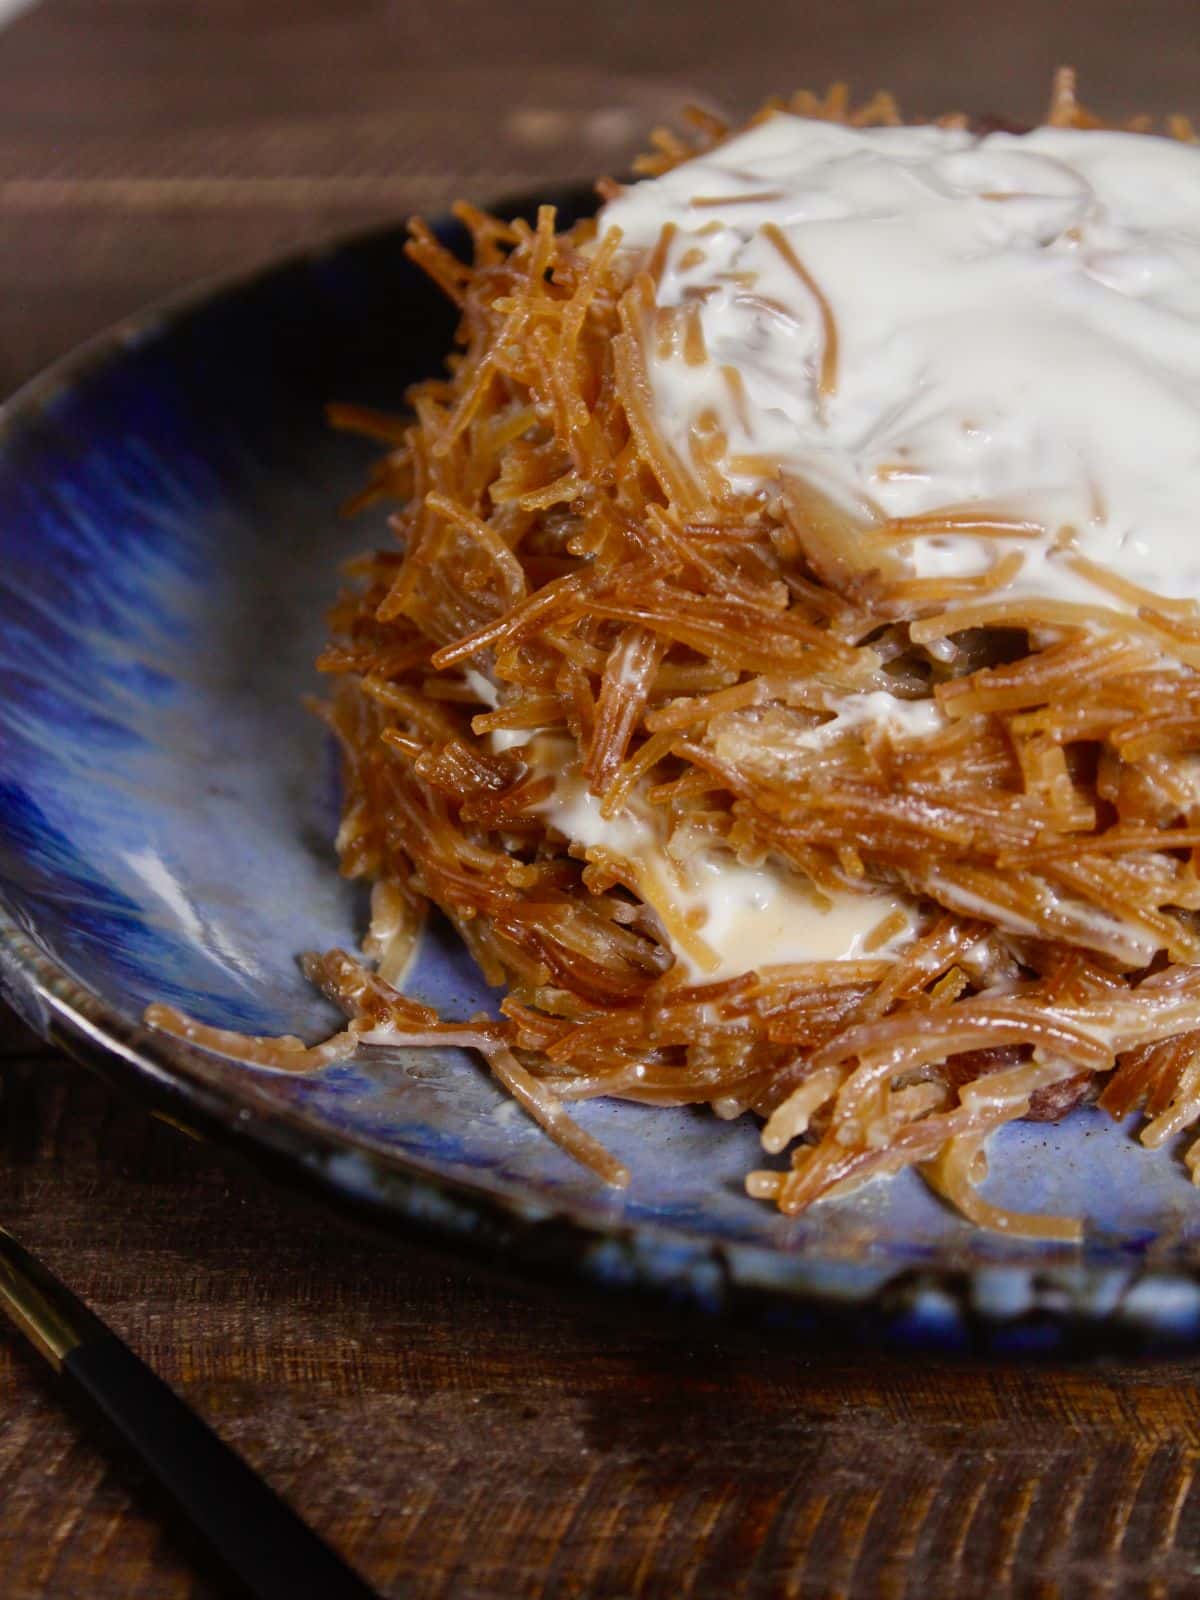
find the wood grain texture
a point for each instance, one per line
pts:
(454, 1436)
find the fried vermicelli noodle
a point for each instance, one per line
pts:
(563, 592)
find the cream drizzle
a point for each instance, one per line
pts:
(738, 917)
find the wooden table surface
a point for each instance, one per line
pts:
(455, 1436)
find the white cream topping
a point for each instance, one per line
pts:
(482, 686)
(1017, 327)
(737, 917)
(905, 719)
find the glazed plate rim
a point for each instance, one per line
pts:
(1054, 1302)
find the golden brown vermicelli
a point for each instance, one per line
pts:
(557, 570)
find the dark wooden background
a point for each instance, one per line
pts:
(456, 1437)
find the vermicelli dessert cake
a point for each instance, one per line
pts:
(786, 677)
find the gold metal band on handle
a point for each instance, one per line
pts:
(37, 1304)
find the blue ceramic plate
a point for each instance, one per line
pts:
(169, 539)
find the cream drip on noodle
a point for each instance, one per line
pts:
(731, 917)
